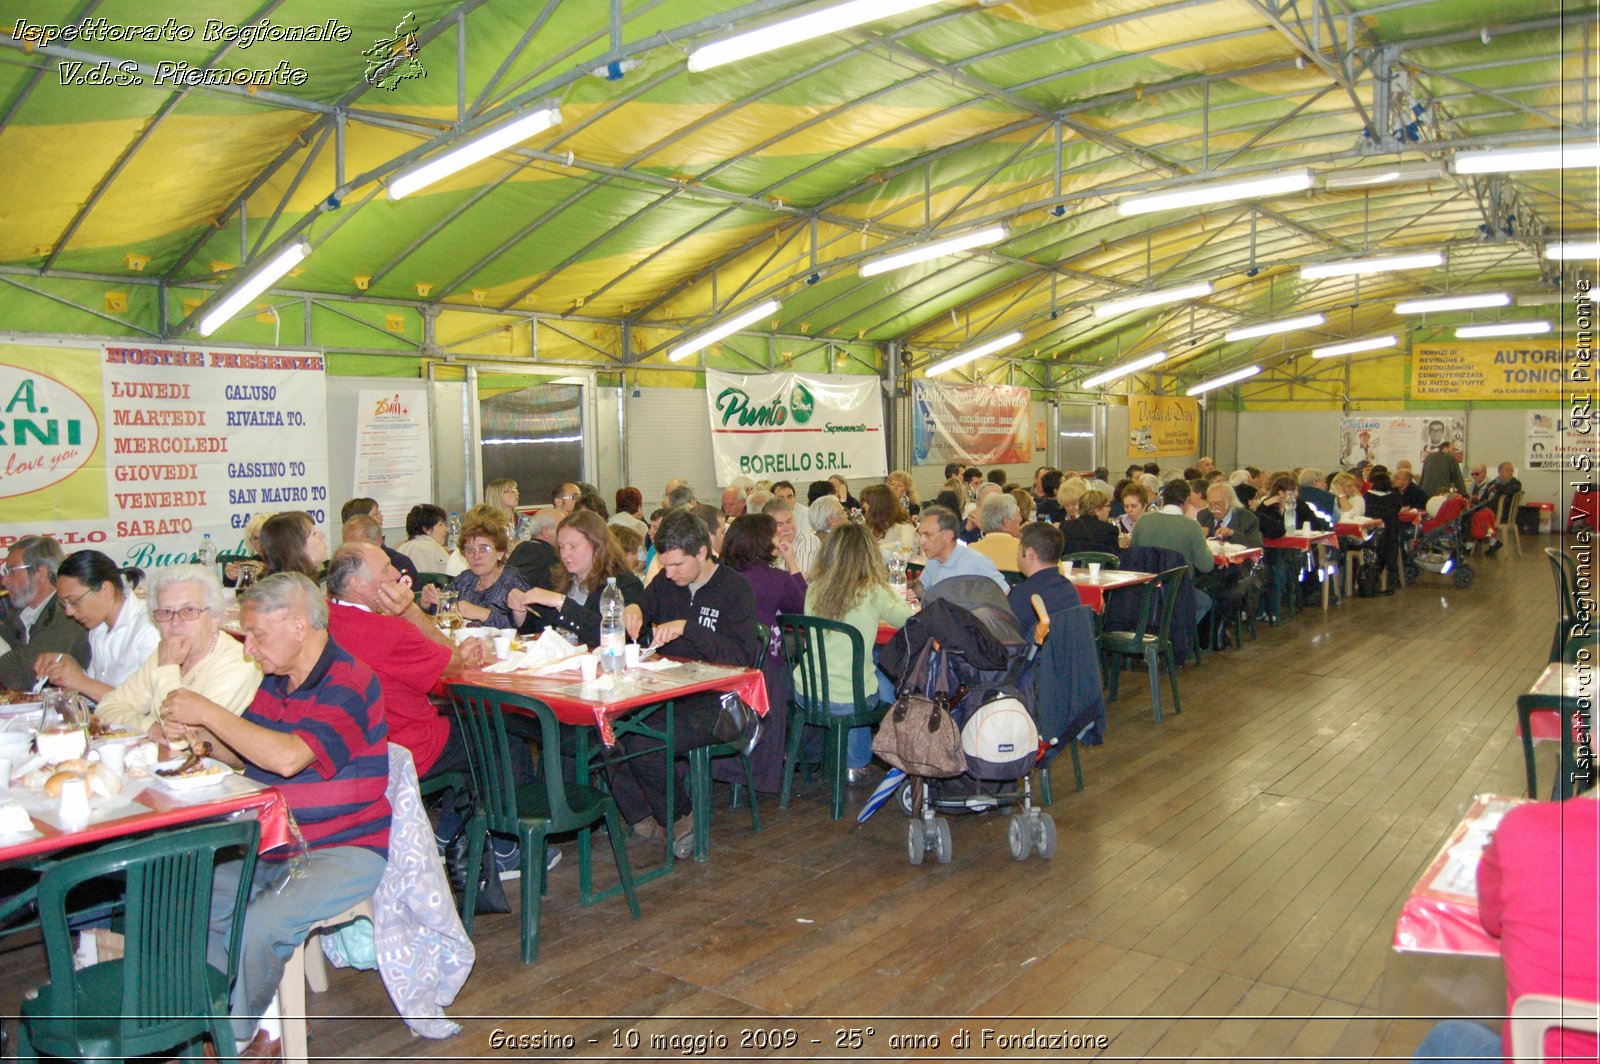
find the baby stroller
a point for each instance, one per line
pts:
(1441, 542)
(990, 700)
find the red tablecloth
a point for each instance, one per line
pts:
(1303, 540)
(158, 808)
(1092, 593)
(885, 633)
(572, 706)
(1359, 528)
(1441, 915)
(1238, 557)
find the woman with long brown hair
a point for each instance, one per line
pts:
(887, 520)
(292, 543)
(589, 558)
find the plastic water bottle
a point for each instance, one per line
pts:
(454, 535)
(207, 554)
(1291, 513)
(612, 634)
(897, 574)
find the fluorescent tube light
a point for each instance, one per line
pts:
(1444, 303)
(1375, 264)
(475, 150)
(1118, 372)
(1509, 328)
(1353, 347)
(1250, 332)
(1520, 160)
(1373, 176)
(1217, 192)
(254, 285)
(972, 354)
(727, 328)
(1225, 379)
(1574, 249)
(949, 246)
(1152, 299)
(818, 22)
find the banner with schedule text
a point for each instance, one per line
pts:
(139, 450)
(1495, 369)
(988, 424)
(795, 426)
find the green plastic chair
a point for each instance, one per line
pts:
(1565, 571)
(161, 994)
(806, 649)
(700, 759)
(1155, 648)
(1084, 557)
(1575, 771)
(530, 811)
(439, 580)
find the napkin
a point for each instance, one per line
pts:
(549, 647)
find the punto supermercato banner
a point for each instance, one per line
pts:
(138, 450)
(795, 426)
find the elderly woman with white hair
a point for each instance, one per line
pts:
(195, 654)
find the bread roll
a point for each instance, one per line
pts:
(76, 764)
(53, 785)
(104, 782)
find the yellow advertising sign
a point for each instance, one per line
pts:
(1161, 426)
(1493, 369)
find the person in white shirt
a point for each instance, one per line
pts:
(797, 543)
(93, 593)
(427, 526)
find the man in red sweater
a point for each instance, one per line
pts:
(1537, 885)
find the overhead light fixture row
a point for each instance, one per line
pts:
(1355, 347)
(818, 22)
(1448, 303)
(949, 246)
(726, 328)
(972, 354)
(1224, 380)
(1217, 192)
(1271, 328)
(1573, 249)
(1377, 176)
(253, 286)
(1118, 372)
(1585, 155)
(475, 150)
(1509, 328)
(1372, 264)
(1152, 299)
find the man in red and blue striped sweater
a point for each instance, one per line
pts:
(316, 732)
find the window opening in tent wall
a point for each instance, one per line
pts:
(1078, 430)
(533, 435)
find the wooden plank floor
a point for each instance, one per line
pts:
(1225, 887)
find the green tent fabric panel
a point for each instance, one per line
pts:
(63, 305)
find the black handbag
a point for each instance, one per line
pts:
(737, 724)
(491, 895)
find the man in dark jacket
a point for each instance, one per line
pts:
(1039, 560)
(1502, 490)
(1440, 470)
(35, 622)
(698, 610)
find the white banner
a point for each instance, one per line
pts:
(1553, 444)
(394, 462)
(794, 426)
(138, 450)
(1386, 441)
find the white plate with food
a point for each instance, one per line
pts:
(206, 772)
(17, 709)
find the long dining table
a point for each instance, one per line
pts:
(1307, 540)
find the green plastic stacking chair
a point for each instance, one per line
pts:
(700, 759)
(1154, 647)
(1084, 557)
(161, 998)
(1565, 571)
(806, 649)
(530, 811)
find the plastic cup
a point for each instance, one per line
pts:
(589, 666)
(114, 756)
(1094, 571)
(1066, 569)
(502, 646)
(630, 656)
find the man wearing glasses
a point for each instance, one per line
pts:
(34, 622)
(564, 499)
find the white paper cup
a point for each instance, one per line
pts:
(630, 656)
(589, 666)
(5, 773)
(502, 646)
(1066, 569)
(1094, 570)
(114, 756)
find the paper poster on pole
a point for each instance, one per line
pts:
(1163, 426)
(978, 423)
(795, 426)
(139, 450)
(1554, 445)
(1387, 441)
(394, 462)
(1494, 369)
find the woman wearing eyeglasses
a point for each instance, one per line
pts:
(488, 581)
(90, 588)
(194, 654)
